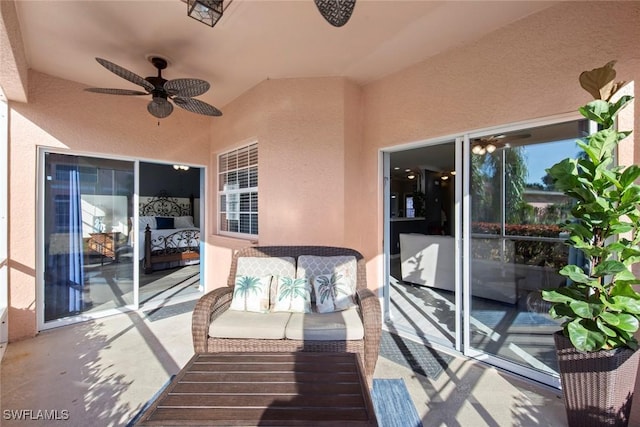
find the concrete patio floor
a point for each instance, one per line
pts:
(101, 372)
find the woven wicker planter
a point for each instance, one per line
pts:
(597, 387)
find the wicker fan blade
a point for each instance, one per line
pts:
(186, 87)
(336, 12)
(160, 108)
(196, 106)
(115, 91)
(125, 74)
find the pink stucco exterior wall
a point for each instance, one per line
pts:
(62, 116)
(303, 142)
(320, 139)
(524, 71)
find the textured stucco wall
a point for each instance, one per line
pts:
(61, 115)
(13, 63)
(319, 139)
(300, 128)
(524, 71)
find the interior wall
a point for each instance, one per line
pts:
(524, 71)
(158, 178)
(61, 115)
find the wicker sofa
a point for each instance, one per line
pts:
(212, 305)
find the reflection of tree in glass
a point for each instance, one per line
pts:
(515, 165)
(480, 196)
(486, 174)
(548, 182)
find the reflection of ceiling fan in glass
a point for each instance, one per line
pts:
(489, 144)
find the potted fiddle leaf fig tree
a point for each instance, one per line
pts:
(596, 347)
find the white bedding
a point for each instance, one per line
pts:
(155, 234)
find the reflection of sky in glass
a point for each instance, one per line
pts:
(542, 156)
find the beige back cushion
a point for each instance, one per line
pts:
(269, 266)
(310, 266)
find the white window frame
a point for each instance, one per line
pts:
(233, 192)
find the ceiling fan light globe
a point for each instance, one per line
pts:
(160, 108)
(490, 148)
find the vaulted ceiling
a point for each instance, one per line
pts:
(255, 39)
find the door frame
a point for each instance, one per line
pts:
(40, 256)
(462, 236)
(385, 156)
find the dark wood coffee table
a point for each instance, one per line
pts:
(265, 389)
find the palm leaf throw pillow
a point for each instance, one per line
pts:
(251, 294)
(293, 295)
(333, 293)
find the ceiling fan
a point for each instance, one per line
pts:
(180, 91)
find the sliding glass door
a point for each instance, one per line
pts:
(88, 259)
(422, 230)
(468, 263)
(516, 244)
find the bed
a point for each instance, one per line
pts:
(166, 226)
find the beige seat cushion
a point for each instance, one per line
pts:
(338, 325)
(244, 324)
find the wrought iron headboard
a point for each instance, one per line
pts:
(163, 205)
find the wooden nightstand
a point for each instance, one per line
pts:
(106, 244)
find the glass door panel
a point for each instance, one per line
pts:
(422, 282)
(516, 245)
(88, 260)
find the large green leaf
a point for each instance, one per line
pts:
(620, 228)
(602, 144)
(611, 318)
(579, 229)
(604, 328)
(628, 323)
(597, 110)
(580, 242)
(575, 273)
(565, 174)
(560, 295)
(609, 267)
(627, 276)
(615, 107)
(629, 175)
(624, 289)
(631, 195)
(611, 177)
(585, 335)
(585, 309)
(558, 311)
(626, 304)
